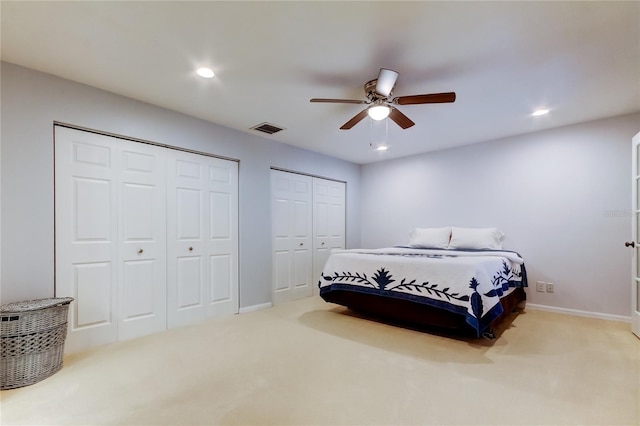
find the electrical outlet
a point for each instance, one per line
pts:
(550, 287)
(540, 286)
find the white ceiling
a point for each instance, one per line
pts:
(503, 59)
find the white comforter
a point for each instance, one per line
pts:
(467, 282)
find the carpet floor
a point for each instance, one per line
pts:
(308, 362)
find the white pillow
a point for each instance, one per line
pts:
(476, 238)
(430, 237)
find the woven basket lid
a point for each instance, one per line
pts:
(34, 305)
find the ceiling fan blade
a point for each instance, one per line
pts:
(355, 120)
(338, 101)
(386, 81)
(433, 98)
(400, 119)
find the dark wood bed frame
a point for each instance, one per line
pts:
(417, 314)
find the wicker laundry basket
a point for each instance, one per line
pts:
(32, 336)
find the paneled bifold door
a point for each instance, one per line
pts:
(328, 222)
(202, 235)
(308, 220)
(146, 237)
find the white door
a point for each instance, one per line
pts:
(202, 234)
(635, 227)
(110, 236)
(116, 222)
(86, 235)
(291, 210)
(328, 222)
(221, 194)
(142, 285)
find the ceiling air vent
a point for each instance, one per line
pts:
(267, 128)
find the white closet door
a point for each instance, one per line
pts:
(202, 238)
(328, 222)
(221, 186)
(146, 237)
(86, 183)
(291, 211)
(142, 286)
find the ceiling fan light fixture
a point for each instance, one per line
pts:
(205, 72)
(379, 112)
(378, 92)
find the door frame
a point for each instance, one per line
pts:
(635, 217)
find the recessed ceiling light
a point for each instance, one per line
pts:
(205, 72)
(539, 112)
(382, 148)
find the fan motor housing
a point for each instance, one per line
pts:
(370, 90)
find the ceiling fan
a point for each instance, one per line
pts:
(380, 107)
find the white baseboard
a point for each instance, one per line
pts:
(255, 307)
(610, 317)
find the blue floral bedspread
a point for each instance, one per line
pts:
(468, 282)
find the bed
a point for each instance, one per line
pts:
(470, 290)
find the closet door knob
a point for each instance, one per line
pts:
(140, 251)
(322, 243)
(630, 244)
(190, 248)
(301, 244)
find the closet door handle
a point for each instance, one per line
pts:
(630, 244)
(190, 248)
(322, 243)
(140, 251)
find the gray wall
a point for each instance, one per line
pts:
(562, 197)
(30, 103)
